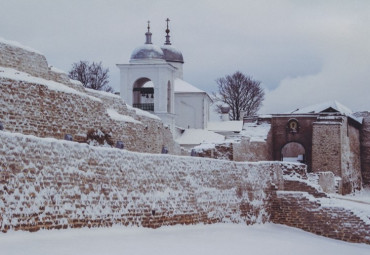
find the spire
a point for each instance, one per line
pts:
(168, 33)
(148, 35)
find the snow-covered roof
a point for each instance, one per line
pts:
(328, 107)
(256, 133)
(198, 136)
(225, 126)
(182, 86)
(322, 107)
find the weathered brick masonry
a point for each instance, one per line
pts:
(51, 184)
(304, 211)
(365, 147)
(36, 109)
(46, 183)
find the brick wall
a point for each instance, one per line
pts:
(337, 149)
(47, 183)
(253, 151)
(351, 160)
(301, 210)
(245, 150)
(365, 147)
(32, 62)
(37, 108)
(326, 154)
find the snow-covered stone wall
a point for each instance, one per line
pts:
(42, 101)
(337, 149)
(322, 216)
(49, 183)
(24, 59)
(365, 147)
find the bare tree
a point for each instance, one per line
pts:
(241, 93)
(92, 76)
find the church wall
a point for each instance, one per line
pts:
(190, 112)
(48, 183)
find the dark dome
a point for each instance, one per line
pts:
(171, 54)
(147, 51)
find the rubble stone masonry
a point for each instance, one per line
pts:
(365, 147)
(52, 184)
(337, 149)
(35, 109)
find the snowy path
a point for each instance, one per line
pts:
(190, 240)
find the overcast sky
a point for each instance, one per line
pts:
(303, 51)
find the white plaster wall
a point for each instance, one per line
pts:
(191, 110)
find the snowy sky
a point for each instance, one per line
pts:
(304, 52)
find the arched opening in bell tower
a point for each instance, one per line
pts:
(143, 94)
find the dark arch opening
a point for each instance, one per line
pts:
(293, 152)
(143, 94)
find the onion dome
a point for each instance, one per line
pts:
(171, 54)
(148, 51)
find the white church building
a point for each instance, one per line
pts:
(153, 81)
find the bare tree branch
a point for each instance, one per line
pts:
(241, 93)
(92, 76)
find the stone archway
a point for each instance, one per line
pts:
(293, 152)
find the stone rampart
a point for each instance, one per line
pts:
(47, 183)
(36, 100)
(319, 216)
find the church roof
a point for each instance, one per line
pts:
(147, 52)
(171, 54)
(182, 86)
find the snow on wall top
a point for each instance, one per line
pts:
(144, 113)
(13, 74)
(198, 136)
(256, 133)
(19, 45)
(116, 116)
(226, 126)
(182, 86)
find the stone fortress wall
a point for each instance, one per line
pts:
(337, 149)
(365, 146)
(48, 183)
(52, 106)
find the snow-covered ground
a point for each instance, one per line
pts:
(215, 239)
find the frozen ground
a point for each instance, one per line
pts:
(215, 239)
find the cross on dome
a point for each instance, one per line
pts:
(148, 35)
(167, 32)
